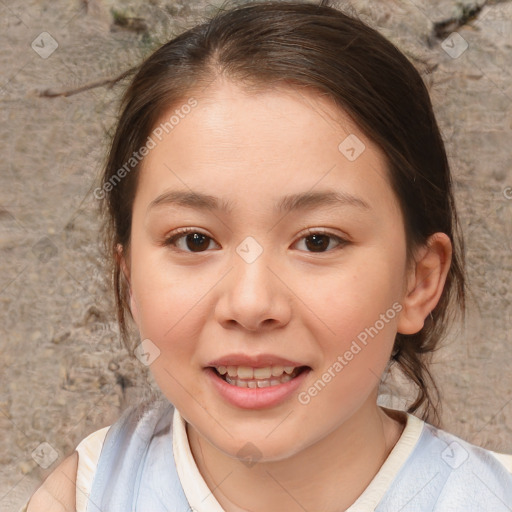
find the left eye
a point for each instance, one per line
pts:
(320, 241)
(193, 239)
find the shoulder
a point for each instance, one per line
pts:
(89, 451)
(505, 459)
(57, 493)
(471, 475)
(444, 472)
(71, 484)
(89, 448)
(457, 453)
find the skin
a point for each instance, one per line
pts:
(57, 493)
(252, 148)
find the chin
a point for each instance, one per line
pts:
(251, 449)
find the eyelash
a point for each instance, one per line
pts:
(180, 233)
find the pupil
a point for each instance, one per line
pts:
(318, 241)
(197, 239)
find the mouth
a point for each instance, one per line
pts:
(256, 378)
(253, 382)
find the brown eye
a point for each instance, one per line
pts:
(319, 242)
(189, 240)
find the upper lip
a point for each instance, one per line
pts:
(256, 361)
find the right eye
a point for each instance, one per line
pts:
(194, 240)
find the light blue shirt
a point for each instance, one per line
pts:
(136, 471)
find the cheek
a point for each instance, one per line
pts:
(354, 298)
(171, 315)
(168, 301)
(353, 362)
(355, 317)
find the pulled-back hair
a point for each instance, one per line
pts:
(362, 73)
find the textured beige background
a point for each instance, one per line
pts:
(63, 372)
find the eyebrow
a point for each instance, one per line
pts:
(293, 202)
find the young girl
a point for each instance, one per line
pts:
(282, 226)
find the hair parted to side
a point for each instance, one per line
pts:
(361, 72)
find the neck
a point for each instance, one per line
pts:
(329, 475)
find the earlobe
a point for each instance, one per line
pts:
(426, 282)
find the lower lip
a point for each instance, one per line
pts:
(256, 398)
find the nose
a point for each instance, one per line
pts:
(254, 296)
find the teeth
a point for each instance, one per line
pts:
(246, 377)
(248, 373)
(277, 371)
(244, 372)
(263, 373)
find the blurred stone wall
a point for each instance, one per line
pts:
(62, 368)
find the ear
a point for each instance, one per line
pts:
(125, 268)
(425, 283)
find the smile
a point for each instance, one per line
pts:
(257, 381)
(248, 377)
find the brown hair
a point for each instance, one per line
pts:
(361, 72)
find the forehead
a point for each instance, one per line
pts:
(242, 145)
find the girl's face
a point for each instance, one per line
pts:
(295, 262)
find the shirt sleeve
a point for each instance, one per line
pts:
(89, 450)
(505, 459)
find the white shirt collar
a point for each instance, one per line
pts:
(201, 499)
